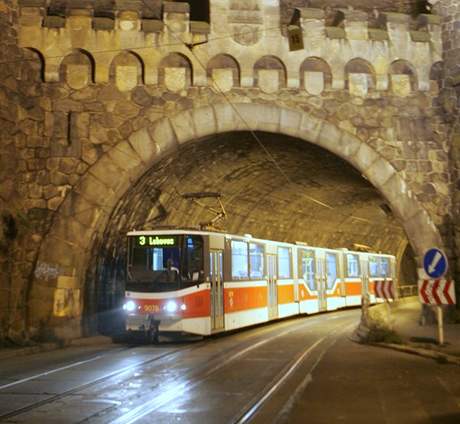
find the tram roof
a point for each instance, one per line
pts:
(246, 237)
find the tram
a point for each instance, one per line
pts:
(205, 282)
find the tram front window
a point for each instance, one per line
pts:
(164, 263)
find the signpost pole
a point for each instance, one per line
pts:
(440, 325)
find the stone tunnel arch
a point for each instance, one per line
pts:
(87, 208)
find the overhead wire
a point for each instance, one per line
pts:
(259, 141)
(190, 47)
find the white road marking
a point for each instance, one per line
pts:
(248, 415)
(180, 388)
(43, 374)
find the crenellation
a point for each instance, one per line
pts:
(102, 23)
(128, 20)
(355, 24)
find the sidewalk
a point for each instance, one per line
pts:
(11, 352)
(423, 340)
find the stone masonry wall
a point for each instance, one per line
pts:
(23, 153)
(105, 84)
(449, 110)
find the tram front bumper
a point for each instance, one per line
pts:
(143, 322)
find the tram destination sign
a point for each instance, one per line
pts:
(155, 241)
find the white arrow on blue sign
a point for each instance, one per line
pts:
(435, 263)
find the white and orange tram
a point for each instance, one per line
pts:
(204, 282)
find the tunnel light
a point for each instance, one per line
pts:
(129, 306)
(171, 306)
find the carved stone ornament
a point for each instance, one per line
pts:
(245, 19)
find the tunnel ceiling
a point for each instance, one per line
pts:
(258, 198)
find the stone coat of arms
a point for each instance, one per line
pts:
(245, 19)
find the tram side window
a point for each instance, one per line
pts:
(256, 260)
(373, 266)
(284, 262)
(193, 258)
(331, 265)
(352, 265)
(384, 267)
(239, 260)
(307, 267)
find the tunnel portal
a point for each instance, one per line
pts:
(272, 186)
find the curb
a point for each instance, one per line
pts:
(438, 356)
(8, 353)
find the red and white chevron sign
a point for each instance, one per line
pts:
(384, 289)
(437, 292)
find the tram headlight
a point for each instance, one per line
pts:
(183, 307)
(171, 306)
(130, 306)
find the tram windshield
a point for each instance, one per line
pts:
(158, 263)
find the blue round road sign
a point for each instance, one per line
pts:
(435, 263)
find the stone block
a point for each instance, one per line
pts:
(310, 128)
(364, 157)
(197, 27)
(290, 122)
(175, 7)
(77, 76)
(268, 117)
(336, 33)
(56, 22)
(329, 137)
(268, 80)
(227, 119)
(422, 232)
(184, 127)
(348, 145)
(128, 20)
(93, 189)
(126, 158)
(204, 121)
(163, 135)
(395, 190)
(311, 13)
(143, 145)
(358, 84)
(376, 34)
(222, 79)
(126, 77)
(103, 24)
(400, 85)
(379, 172)
(106, 171)
(314, 82)
(152, 25)
(175, 79)
(420, 36)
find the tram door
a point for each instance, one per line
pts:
(217, 290)
(272, 287)
(365, 288)
(321, 276)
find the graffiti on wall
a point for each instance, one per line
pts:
(46, 271)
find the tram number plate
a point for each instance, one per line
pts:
(151, 308)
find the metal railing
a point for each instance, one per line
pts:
(408, 290)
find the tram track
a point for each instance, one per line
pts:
(257, 403)
(213, 367)
(230, 349)
(76, 389)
